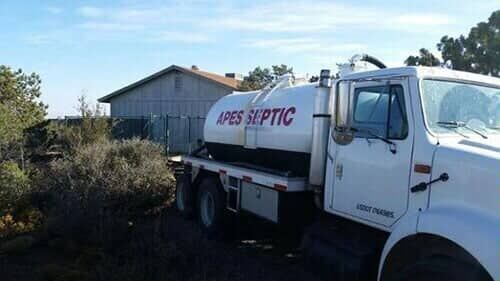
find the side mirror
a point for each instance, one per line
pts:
(342, 133)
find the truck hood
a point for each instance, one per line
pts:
(490, 146)
(473, 166)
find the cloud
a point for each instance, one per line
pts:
(168, 23)
(184, 37)
(322, 16)
(109, 26)
(125, 18)
(48, 37)
(270, 17)
(423, 20)
(54, 10)
(303, 45)
(299, 17)
(38, 39)
(90, 12)
(324, 29)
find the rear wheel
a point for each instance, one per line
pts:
(441, 268)
(183, 200)
(212, 207)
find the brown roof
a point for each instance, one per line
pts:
(228, 82)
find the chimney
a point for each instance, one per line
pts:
(236, 76)
(194, 67)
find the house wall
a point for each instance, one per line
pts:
(159, 97)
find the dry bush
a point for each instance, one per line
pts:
(115, 170)
(93, 126)
(101, 187)
(13, 224)
(72, 135)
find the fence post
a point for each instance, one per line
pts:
(144, 127)
(189, 134)
(150, 131)
(167, 135)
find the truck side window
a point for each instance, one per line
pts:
(371, 106)
(398, 124)
(381, 110)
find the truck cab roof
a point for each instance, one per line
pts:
(424, 72)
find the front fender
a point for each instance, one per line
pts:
(406, 227)
(475, 231)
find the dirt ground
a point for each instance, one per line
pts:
(168, 248)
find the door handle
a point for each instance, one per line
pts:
(423, 185)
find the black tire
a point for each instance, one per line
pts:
(211, 208)
(184, 198)
(441, 268)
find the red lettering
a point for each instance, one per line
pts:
(265, 115)
(233, 116)
(239, 117)
(275, 111)
(219, 120)
(226, 117)
(276, 116)
(280, 117)
(250, 116)
(286, 119)
(256, 116)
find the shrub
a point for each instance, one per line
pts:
(115, 170)
(14, 183)
(92, 126)
(85, 131)
(103, 185)
(25, 222)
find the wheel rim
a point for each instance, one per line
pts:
(179, 195)
(207, 208)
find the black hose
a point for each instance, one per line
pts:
(373, 61)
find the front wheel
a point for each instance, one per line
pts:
(212, 207)
(441, 268)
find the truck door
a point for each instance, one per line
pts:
(371, 173)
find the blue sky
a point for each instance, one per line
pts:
(95, 47)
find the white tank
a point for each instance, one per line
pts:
(270, 128)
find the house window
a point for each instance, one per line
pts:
(178, 82)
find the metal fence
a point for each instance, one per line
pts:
(178, 134)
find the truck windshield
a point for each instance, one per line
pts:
(472, 107)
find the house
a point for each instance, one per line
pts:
(183, 94)
(174, 90)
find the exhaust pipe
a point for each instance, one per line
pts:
(321, 125)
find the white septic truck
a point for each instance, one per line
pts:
(395, 171)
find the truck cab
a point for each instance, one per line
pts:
(407, 157)
(417, 150)
(400, 125)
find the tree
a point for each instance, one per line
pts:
(425, 58)
(479, 52)
(280, 70)
(260, 77)
(93, 126)
(20, 108)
